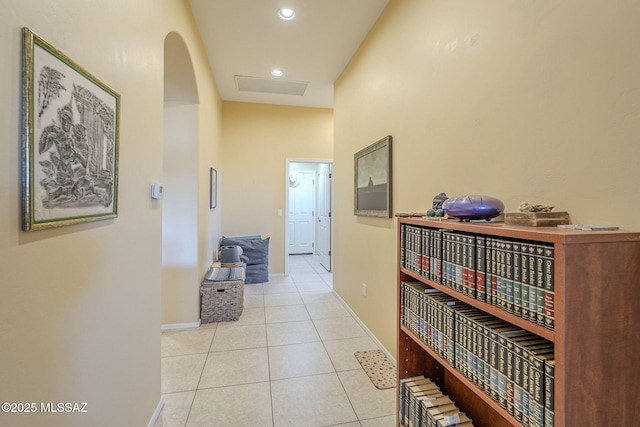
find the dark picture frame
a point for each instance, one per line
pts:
(70, 137)
(213, 188)
(372, 180)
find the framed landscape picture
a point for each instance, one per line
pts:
(70, 125)
(372, 174)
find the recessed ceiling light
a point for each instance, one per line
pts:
(277, 73)
(286, 14)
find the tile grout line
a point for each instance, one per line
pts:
(195, 393)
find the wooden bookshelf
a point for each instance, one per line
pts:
(596, 335)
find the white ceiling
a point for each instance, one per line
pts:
(246, 38)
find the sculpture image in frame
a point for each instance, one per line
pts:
(372, 173)
(213, 188)
(70, 126)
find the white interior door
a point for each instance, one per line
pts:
(302, 195)
(324, 216)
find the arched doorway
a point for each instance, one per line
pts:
(180, 276)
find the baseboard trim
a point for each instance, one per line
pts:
(371, 335)
(156, 414)
(276, 274)
(180, 326)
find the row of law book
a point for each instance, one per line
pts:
(516, 276)
(515, 367)
(422, 404)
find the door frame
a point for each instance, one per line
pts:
(286, 203)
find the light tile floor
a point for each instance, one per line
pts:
(288, 361)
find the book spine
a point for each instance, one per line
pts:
(486, 338)
(412, 411)
(526, 395)
(500, 264)
(427, 253)
(461, 355)
(416, 249)
(465, 265)
(420, 260)
(421, 326)
(408, 309)
(401, 398)
(549, 288)
(524, 277)
(457, 272)
(494, 272)
(549, 368)
(411, 318)
(536, 391)
(488, 269)
(446, 270)
(438, 249)
(457, 341)
(420, 323)
(444, 340)
(517, 380)
(508, 276)
(402, 303)
(471, 362)
(403, 245)
(432, 256)
(533, 282)
(540, 264)
(480, 268)
(502, 371)
(494, 365)
(410, 247)
(517, 281)
(496, 280)
(428, 332)
(502, 275)
(472, 354)
(438, 340)
(476, 344)
(467, 347)
(435, 307)
(480, 354)
(471, 266)
(510, 376)
(450, 336)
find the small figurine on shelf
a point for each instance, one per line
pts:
(436, 210)
(528, 207)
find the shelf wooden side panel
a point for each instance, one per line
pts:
(597, 359)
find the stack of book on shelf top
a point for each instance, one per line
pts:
(422, 404)
(515, 367)
(515, 275)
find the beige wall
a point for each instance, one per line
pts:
(80, 305)
(258, 139)
(524, 101)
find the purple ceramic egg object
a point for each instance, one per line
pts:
(473, 207)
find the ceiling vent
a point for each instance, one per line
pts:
(283, 87)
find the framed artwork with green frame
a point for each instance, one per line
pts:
(70, 137)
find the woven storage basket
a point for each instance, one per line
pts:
(221, 301)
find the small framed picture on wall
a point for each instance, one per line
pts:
(213, 188)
